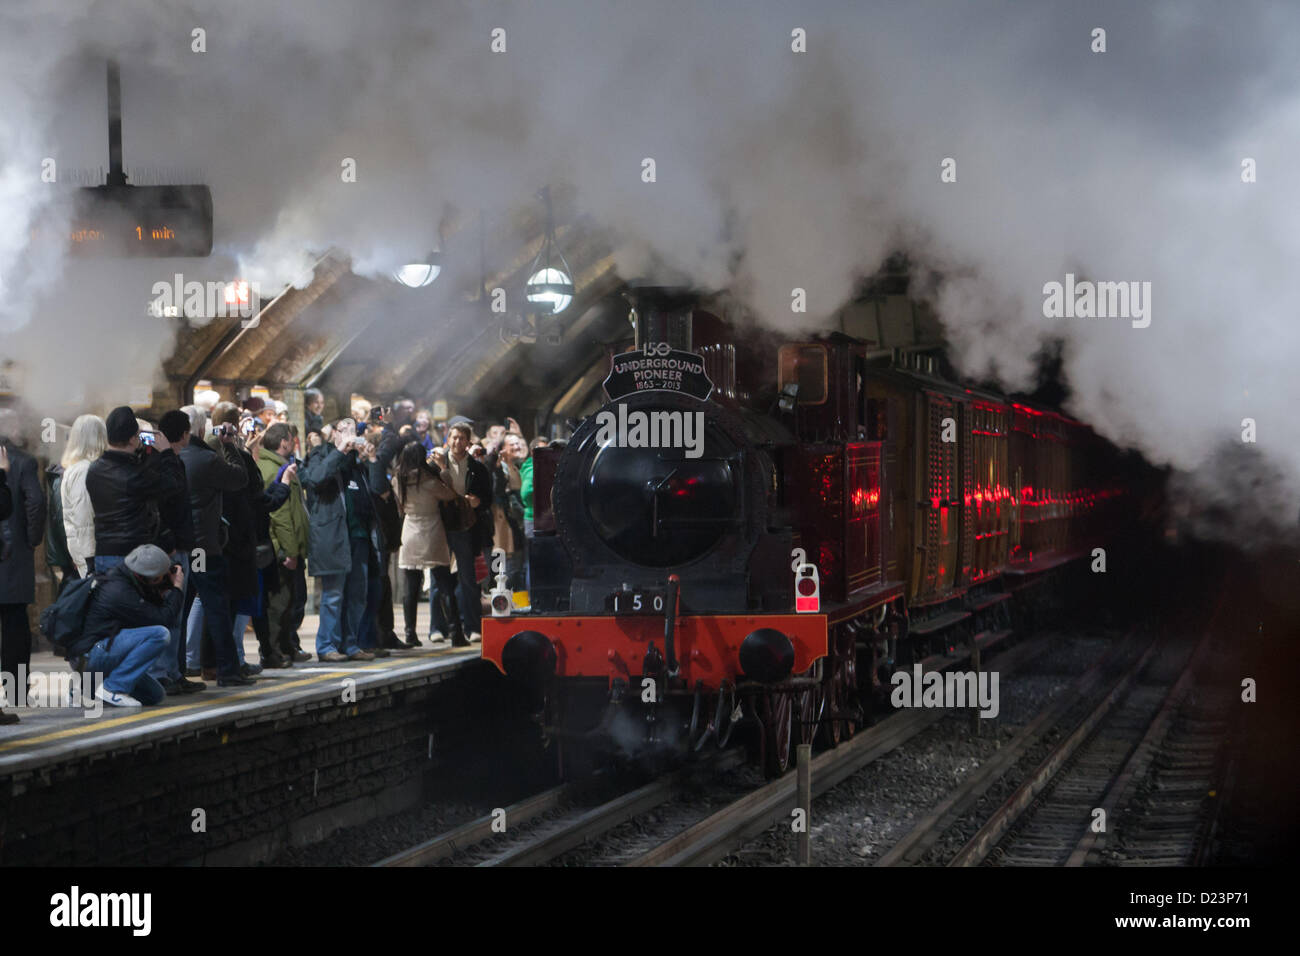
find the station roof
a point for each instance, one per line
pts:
(345, 332)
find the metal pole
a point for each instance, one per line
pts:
(116, 176)
(804, 785)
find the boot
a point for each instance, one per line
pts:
(412, 639)
(451, 614)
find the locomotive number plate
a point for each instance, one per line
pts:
(638, 602)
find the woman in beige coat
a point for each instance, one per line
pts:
(419, 490)
(86, 442)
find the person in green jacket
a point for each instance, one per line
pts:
(526, 493)
(287, 603)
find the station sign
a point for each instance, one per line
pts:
(657, 367)
(135, 221)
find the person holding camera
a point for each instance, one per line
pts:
(287, 599)
(212, 473)
(469, 478)
(128, 626)
(248, 553)
(341, 523)
(125, 485)
(419, 490)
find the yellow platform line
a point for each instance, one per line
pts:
(148, 713)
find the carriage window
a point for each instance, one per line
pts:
(877, 419)
(805, 366)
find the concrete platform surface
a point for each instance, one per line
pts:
(47, 735)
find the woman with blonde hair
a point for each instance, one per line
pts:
(86, 442)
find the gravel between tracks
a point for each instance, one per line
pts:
(862, 818)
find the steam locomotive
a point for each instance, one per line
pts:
(755, 531)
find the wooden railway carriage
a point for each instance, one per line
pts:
(915, 499)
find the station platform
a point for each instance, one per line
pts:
(279, 763)
(50, 734)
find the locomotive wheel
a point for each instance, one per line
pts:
(778, 732)
(811, 703)
(841, 690)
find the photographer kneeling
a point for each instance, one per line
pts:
(128, 625)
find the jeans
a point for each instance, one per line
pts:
(106, 562)
(237, 634)
(436, 620)
(165, 666)
(125, 661)
(194, 635)
(342, 603)
(212, 591)
(467, 593)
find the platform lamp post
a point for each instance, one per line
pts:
(549, 288)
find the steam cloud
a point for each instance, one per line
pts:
(775, 170)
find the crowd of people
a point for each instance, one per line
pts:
(214, 519)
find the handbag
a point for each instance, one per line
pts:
(457, 515)
(515, 508)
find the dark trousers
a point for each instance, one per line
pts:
(386, 630)
(368, 632)
(15, 638)
(442, 584)
(286, 606)
(467, 592)
(218, 624)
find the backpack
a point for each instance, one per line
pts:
(63, 621)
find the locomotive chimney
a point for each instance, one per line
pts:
(662, 314)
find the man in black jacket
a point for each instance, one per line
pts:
(177, 538)
(128, 626)
(210, 476)
(402, 413)
(20, 533)
(469, 478)
(125, 485)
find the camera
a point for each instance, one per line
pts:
(226, 430)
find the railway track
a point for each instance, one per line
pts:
(540, 828)
(545, 827)
(1093, 753)
(717, 835)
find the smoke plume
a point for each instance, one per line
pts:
(774, 169)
